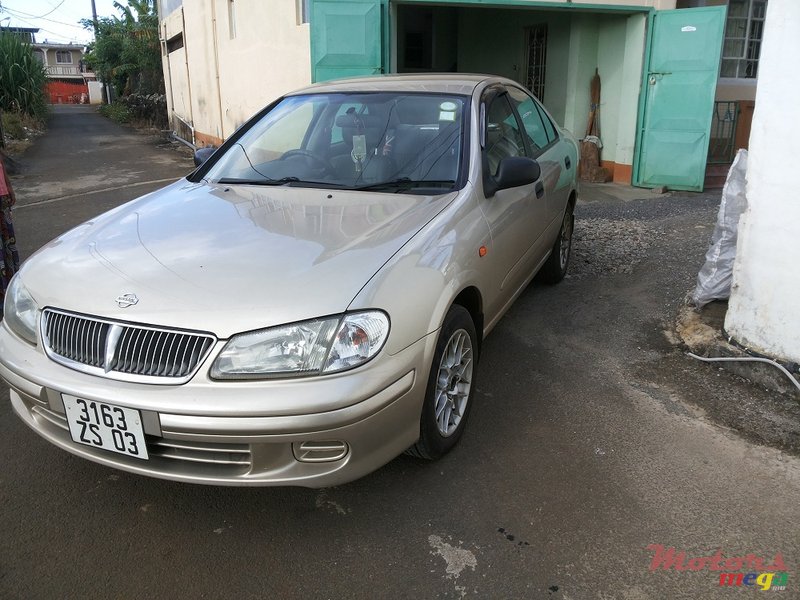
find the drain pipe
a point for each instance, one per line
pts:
(176, 138)
(750, 359)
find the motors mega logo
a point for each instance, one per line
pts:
(749, 570)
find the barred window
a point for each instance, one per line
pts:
(744, 32)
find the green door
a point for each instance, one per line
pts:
(680, 81)
(346, 38)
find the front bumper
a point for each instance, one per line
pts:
(312, 432)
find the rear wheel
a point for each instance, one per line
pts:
(555, 269)
(451, 386)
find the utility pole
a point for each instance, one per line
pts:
(94, 18)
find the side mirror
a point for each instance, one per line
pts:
(201, 155)
(515, 171)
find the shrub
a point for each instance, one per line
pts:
(116, 111)
(13, 127)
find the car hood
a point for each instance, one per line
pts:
(227, 259)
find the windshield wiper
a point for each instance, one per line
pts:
(282, 181)
(404, 183)
(265, 181)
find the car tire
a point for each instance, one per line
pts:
(555, 269)
(451, 386)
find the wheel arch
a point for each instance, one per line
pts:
(472, 300)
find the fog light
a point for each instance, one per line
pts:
(316, 452)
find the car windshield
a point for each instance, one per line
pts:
(366, 141)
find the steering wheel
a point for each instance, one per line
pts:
(325, 166)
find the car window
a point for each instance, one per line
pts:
(413, 141)
(503, 135)
(535, 127)
(286, 133)
(548, 124)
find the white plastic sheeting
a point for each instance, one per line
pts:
(714, 279)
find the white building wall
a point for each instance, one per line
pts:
(635, 36)
(764, 308)
(237, 58)
(269, 55)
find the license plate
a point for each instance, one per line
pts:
(105, 426)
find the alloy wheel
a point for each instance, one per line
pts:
(453, 382)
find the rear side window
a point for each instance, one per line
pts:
(548, 124)
(539, 130)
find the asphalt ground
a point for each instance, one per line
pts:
(591, 438)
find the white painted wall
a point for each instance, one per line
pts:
(237, 58)
(269, 56)
(95, 92)
(635, 37)
(764, 308)
(614, 44)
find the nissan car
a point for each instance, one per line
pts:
(311, 301)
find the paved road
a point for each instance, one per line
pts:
(591, 438)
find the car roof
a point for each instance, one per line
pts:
(449, 83)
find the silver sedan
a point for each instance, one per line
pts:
(311, 301)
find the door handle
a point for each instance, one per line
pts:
(539, 189)
(567, 162)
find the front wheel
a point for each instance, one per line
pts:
(451, 386)
(555, 269)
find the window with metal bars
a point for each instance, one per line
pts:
(744, 31)
(535, 59)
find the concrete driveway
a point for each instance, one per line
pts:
(592, 438)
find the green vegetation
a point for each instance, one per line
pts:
(126, 51)
(116, 111)
(14, 126)
(22, 78)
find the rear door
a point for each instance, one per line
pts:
(556, 157)
(347, 38)
(678, 97)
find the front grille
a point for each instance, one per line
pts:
(123, 350)
(76, 338)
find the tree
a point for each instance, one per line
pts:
(126, 50)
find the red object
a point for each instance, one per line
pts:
(66, 92)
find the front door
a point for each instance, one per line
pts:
(347, 38)
(678, 90)
(517, 217)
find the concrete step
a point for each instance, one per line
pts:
(716, 174)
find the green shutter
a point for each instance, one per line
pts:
(346, 38)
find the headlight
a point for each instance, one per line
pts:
(20, 311)
(308, 348)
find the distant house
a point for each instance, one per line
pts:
(68, 76)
